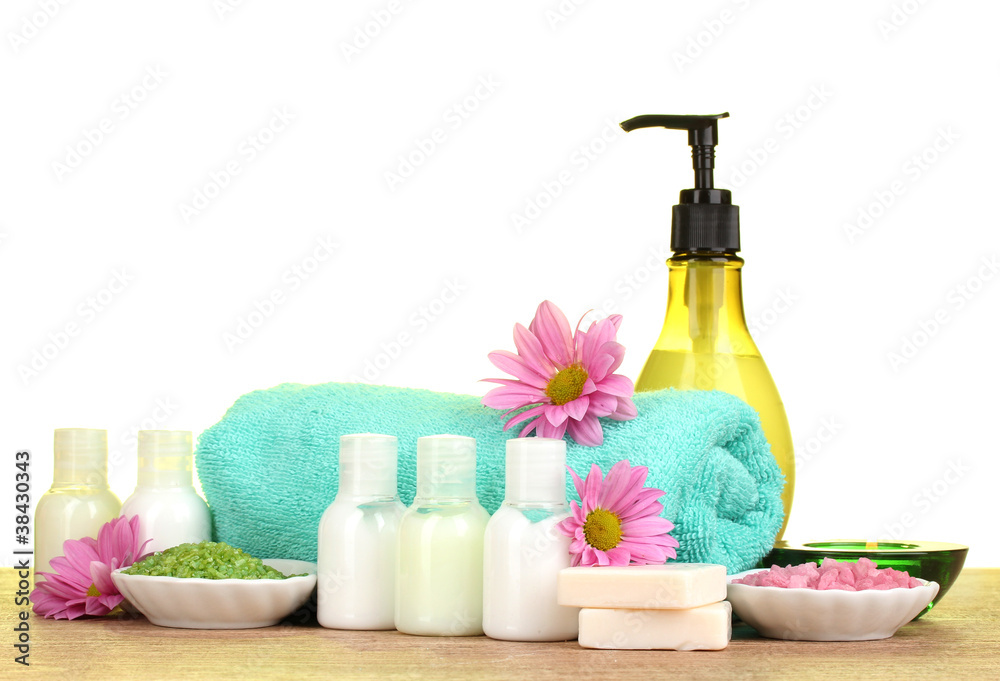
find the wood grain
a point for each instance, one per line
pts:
(958, 639)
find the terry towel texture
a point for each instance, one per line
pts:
(269, 467)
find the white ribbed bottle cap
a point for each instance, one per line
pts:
(536, 471)
(165, 458)
(446, 467)
(368, 465)
(81, 456)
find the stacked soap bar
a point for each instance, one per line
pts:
(680, 606)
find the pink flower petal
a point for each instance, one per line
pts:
(592, 485)
(649, 526)
(599, 367)
(507, 361)
(645, 503)
(525, 415)
(601, 404)
(70, 571)
(506, 397)
(531, 426)
(551, 328)
(587, 431)
(577, 409)
(617, 385)
(546, 429)
(615, 485)
(577, 482)
(626, 410)
(619, 555)
(530, 350)
(101, 574)
(556, 414)
(616, 351)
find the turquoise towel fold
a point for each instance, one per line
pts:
(269, 467)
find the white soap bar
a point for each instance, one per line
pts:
(706, 628)
(661, 587)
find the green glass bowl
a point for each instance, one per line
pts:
(934, 561)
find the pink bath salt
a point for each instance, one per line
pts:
(832, 575)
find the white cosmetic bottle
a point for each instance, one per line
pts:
(524, 550)
(357, 538)
(439, 573)
(170, 511)
(79, 501)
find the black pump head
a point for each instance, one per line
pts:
(705, 219)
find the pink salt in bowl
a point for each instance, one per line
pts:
(832, 615)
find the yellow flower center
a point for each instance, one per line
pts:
(566, 385)
(602, 529)
(93, 592)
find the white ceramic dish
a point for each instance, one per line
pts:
(810, 615)
(189, 603)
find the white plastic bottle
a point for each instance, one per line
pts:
(439, 573)
(357, 538)
(79, 501)
(524, 551)
(170, 511)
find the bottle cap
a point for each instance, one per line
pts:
(81, 456)
(536, 471)
(705, 220)
(368, 465)
(446, 467)
(165, 458)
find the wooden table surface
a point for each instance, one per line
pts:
(958, 639)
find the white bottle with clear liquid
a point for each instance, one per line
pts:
(79, 501)
(439, 573)
(356, 571)
(524, 550)
(170, 511)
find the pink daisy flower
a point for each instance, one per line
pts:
(618, 521)
(82, 582)
(568, 380)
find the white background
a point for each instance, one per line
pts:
(836, 109)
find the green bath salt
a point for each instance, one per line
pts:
(205, 560)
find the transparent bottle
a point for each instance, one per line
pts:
(523, 549)
(705, 344)
(357, 538)
(439, 566)
(169, 509)
(79, 501)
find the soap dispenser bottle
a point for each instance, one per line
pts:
(705, 343)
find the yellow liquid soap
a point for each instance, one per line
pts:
(705, 345)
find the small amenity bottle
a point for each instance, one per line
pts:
(523, 549)
(357, 538)
(439, 567)
(79, 501)
(170, 511)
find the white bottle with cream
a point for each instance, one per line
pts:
(439, 566)
(170, 511)
(524, 550)
(79, 501)
(356, 572)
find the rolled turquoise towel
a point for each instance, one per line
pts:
(269, 467)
